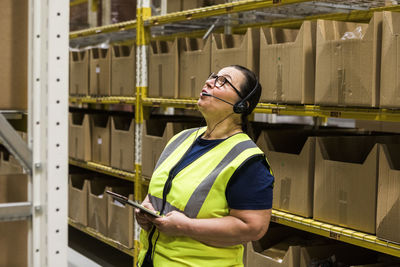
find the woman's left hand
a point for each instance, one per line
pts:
(174, 223)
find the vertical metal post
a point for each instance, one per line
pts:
(143, 11)
(48, 131)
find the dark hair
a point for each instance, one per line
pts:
(246, 87)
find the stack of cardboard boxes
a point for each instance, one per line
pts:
(14, 234)
(90, 205)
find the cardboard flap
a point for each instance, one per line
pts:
(97, 187)
(163, 47)
(374, 29)
(330, 30)
(77, 118)
(78, 56)
(351, 149)
(392, 21)
(194, 44)
(122, 190)
(234, 41)
(278, 36)
(79, 182)
(286, 141)
(100, 120)
(99, 53)
(122, 51)
(154, 128)
(122, 123)
(392, 154)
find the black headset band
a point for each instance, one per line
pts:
(241, 106)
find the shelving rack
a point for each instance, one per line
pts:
(195, 23)
(44, 158)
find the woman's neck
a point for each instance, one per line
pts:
(222, 128)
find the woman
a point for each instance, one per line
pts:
(213, 184)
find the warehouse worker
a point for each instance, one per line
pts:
(212, 185)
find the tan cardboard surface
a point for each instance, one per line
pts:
(97, 205)
(13, 235)
(120, 218)
(345, 182)
(123, 143)
(100, 72)
(79, 136)
(14, 54)
(293, 168)
(348, 71)
(236, 49)
(10, 165)
(79, 72)
(390, 77)
(163, 69)
(101, 138)
(388, 210)
(123, 70)
(78, 198)
(174, 6)
(271, 251)
(378, 126)
(287, 64)
(194, 66)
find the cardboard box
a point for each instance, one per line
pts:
(390, 79)
(123, 143)
(287, 64)
(345, 182)
(97, 205)
(388, 210)
(120, 220)
(123, 71)
(190, 4)
(101, 138)
(14, 235)
(10, 165)
(100, 72)
(14, 54)
(272, 250)
(78, 198)
(156, 135)
(79, 72)
(348, 71)
(291, 154)
(163, 69)
(194, 66)
(79, 136)
(236, 49)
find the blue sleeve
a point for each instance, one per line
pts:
(251, 186)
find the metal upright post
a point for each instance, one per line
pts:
(142, 41)
(48, 131)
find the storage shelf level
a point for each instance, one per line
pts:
(130, 176)
(336, 232)
(100, 237)
(103, 100)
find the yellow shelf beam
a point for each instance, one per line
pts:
(100, 237)
(103, 100)
(77, 2)
(129, 176)
(117, 27)
(217, 10)
(336, 232)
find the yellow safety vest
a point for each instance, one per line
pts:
(198, 191)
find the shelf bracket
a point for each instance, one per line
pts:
(15, 211)
(15, 144)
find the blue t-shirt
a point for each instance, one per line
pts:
(250, 187)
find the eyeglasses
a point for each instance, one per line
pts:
(220, 81)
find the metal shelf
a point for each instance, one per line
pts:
(129, 176)
(102, 100)
(100, 237)
(336, 232)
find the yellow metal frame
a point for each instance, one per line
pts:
(103, 100)
(77, 2)
(335, 232)
(129, 176)
(100, 237)
(217, 10)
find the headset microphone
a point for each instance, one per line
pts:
(207, 94)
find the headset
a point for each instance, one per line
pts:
(239, 107)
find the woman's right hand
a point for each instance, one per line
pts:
(141, 218)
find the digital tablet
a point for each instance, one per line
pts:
(126, 200)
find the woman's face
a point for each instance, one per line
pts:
(209, 105)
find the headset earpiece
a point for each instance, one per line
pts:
(241, 106)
